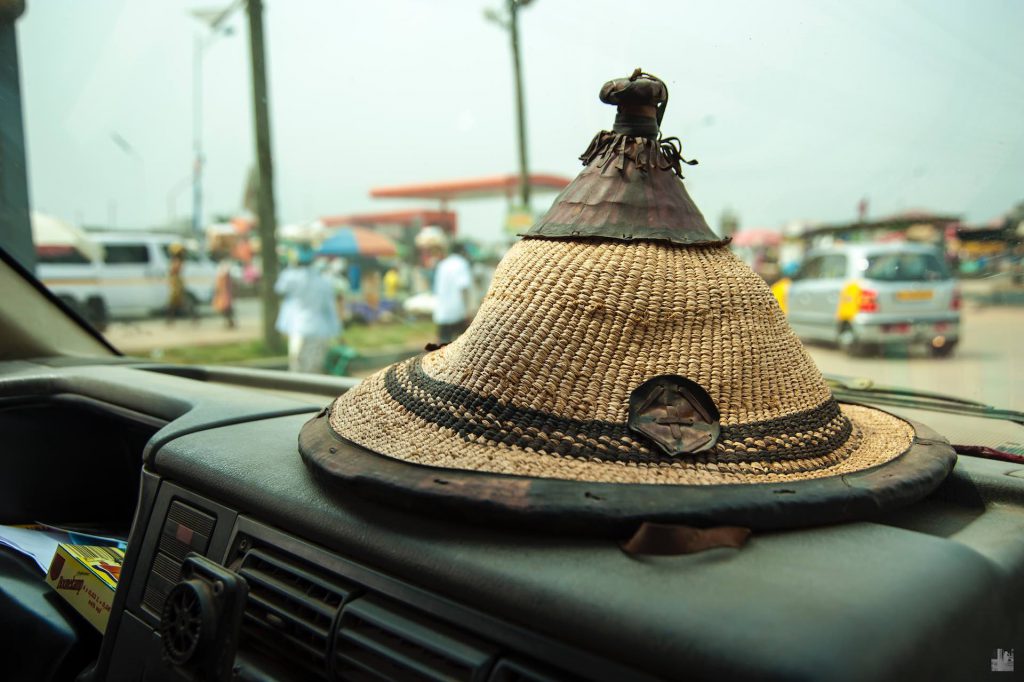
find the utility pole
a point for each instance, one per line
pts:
(511, 24)
(524, 172)
(267, 213)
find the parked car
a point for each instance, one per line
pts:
(130, 281)
(868, 295)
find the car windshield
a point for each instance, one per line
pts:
(187, 176)
(905, 267)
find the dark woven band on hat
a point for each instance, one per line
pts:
(814, 433)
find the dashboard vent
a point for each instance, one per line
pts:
(378, 640)
(290, 610)
(186, 529)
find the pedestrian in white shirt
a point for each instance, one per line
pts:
(308, 316)
(453, 292)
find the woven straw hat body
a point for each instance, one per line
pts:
(623, 348)
(540, 383)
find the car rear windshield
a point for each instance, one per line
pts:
(906, 267)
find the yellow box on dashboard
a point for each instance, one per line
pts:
(86, 577)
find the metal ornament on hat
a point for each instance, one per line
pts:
(675, 414)
(638, 98)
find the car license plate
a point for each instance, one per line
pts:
(921, 295)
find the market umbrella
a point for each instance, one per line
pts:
(49, 233)
(357, 241)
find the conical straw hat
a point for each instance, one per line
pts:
(623, 344)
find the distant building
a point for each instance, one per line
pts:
(917, 225)
(995, 247)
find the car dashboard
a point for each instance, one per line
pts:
(320, 584)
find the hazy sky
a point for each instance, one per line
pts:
(794, 109)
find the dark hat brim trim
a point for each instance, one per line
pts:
(615, 508)
(807, 435)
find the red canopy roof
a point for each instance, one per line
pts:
(472, 188)
(411, 218)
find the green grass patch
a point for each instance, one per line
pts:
(395, 335)
(365, 339)
(219, 354)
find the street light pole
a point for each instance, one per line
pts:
(511, 24)
(197, 138)
(524, 173)
(131, 152)
(214, 20)
(267, 211)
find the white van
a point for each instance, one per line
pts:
(131, 281)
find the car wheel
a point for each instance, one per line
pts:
(848, 342)
(943, 351)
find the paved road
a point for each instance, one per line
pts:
(149, 337)
(988, 365)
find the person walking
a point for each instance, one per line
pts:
(392, 282)
(178, 301)
(308, 315)
(453, 291)
(223, 292)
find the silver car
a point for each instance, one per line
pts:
(868, 295)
